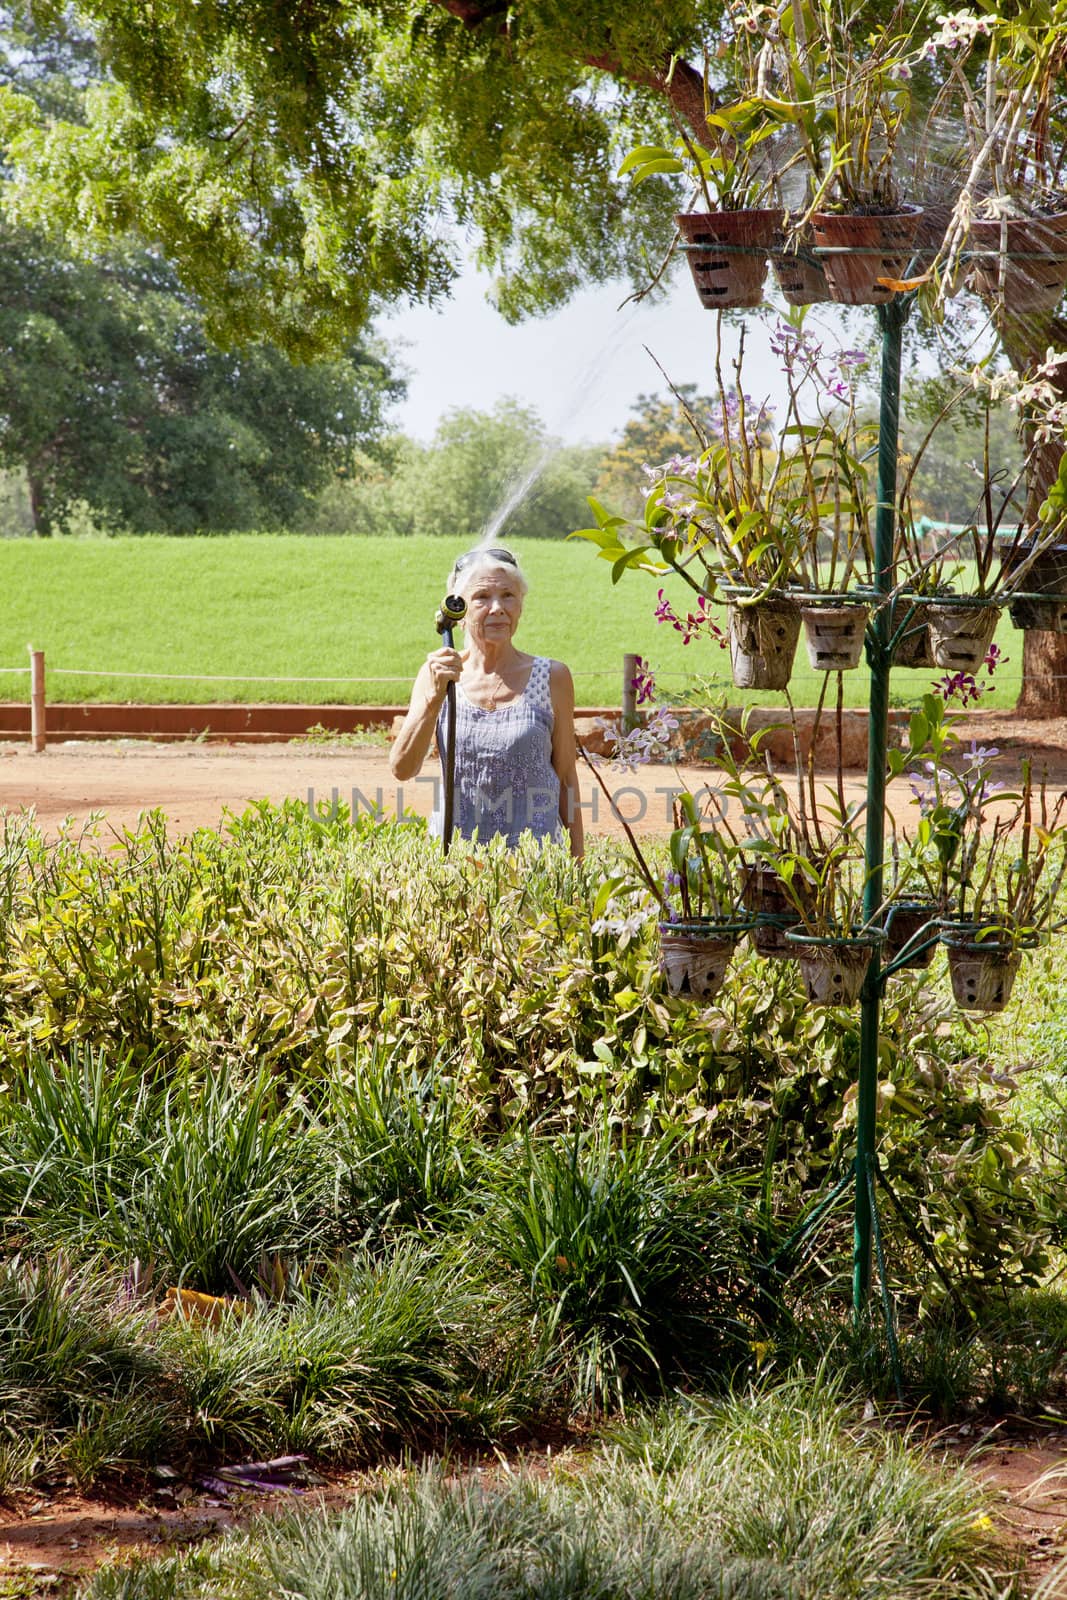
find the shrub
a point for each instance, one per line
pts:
(453, 999)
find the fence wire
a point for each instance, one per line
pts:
(243, 677)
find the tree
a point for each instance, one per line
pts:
(294, 161)
(483, 469)
(111, 394)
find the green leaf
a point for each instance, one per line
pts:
(641, 154)
(604, 537)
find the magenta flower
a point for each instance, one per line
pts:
(695, 623)
(643, 682)
(961, 686)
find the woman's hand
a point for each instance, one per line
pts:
(412, 744)
(445, 666)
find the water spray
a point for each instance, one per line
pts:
(453, 610)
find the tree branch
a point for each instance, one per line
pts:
(681, 84)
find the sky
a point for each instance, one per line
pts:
(581, 369)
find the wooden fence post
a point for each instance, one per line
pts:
(629, 692)
(37, 730)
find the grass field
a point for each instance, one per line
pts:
(219, 613)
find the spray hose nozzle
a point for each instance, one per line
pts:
(453, 610)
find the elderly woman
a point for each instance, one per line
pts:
(516, 759)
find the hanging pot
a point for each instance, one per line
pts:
(694, 956)
(960, 635)
(1046, 575)
(907, 919)
(1021, 260)
(873, 247)
(1039, 616)
(763, 896)
(833, 967)
(834, 636)
(982, 970)
(799, 272)
(912, 649)
(763, 641)
(728, 279)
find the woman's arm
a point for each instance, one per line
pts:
(427, 697)
(565, 756)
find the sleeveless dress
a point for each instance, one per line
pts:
(505, 781)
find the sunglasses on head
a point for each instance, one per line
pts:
(491, 555)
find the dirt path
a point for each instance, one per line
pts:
(194, 784)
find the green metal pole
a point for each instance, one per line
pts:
(892, 317)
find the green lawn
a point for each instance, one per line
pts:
(356, 610)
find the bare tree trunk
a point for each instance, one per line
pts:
(1044, 688)
(42, 521)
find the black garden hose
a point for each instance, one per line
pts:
(453, 610)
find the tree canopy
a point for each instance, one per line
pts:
(296, 162)
(112, 395)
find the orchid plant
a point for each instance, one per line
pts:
(847, 102)
(767, 502)
(996, 551)
(726, 174)
(1006, 74)
(705, 879)
(735, 165)
(991, 857)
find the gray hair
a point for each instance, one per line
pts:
(473, 563)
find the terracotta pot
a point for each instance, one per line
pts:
(913, 647)
(1047, 575)
(834, 636)
(763, 641)
(694, 956)
(728, 279)
(799, 272)
(882, 247)
(906, 920)
(961, 635)
(763, 895)
(1022, 260)
(1039, 616)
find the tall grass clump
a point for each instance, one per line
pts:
(766, 1497)
(404, 1345)
(638, 1272)
(74, 1126)
(199, 1179)
(82, 1392)
(405, 1138)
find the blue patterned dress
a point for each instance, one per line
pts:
(505, 781)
